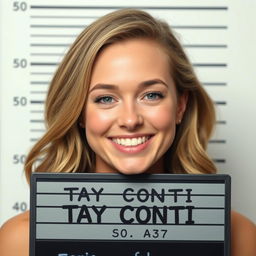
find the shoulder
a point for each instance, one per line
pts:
(243, 236)
(14, 236)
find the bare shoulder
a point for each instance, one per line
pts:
(14, 236)
(243, 235)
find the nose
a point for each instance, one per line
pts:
(130, 117)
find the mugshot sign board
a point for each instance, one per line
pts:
(142, 215)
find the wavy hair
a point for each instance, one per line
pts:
(63, 148)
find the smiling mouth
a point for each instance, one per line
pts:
(131, 142)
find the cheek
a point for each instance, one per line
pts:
(97, 122)
(163, 118)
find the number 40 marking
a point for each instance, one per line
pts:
(20, 206)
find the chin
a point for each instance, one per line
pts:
(136, 171)
(131, 171)
(140, 167)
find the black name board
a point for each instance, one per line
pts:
(142, 215)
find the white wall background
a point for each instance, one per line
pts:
(218, 35)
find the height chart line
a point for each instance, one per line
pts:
(187, 8)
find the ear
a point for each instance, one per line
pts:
(81, 121)
(181, 107)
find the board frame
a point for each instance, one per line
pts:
(110, 177)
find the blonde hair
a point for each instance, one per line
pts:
(63, 148)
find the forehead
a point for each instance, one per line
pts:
(131, 59)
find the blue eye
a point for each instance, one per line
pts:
(153, 96)
(105, 100)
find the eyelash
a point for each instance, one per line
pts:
(101, 98)
(158, 94)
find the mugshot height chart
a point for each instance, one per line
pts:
(219, 37)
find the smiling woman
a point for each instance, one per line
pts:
(125, 99)
(108, 80)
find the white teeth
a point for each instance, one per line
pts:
(132, 141)
(128, 142)
(135, 142)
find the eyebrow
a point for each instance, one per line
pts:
(115, 87)
(152, 82)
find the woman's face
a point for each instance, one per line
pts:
(133, 108)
